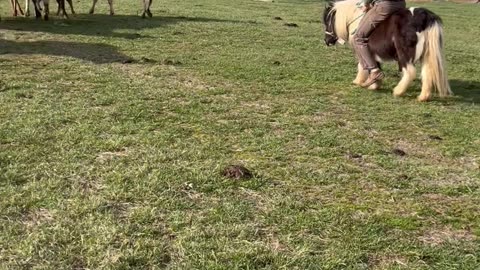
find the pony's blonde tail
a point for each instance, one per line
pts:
(434, 74)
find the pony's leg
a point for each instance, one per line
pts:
(406, 57)
(409, 74)
(427, 85)
(93, 7)
(362, 75)
(110, 3)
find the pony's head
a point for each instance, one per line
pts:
(329, 12)
(340, 19)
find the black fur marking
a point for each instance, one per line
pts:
(329, 22)
(424, 18)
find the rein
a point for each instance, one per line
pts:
(354, 20)
(360, 16)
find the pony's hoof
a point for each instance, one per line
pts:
(398, 92)
(91, 11)
(423, 98)
(355, 82)
(374, 86)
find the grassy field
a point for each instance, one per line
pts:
(114, 132)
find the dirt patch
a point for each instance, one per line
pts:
(37, 217)
(384, 261)
(106, 156)
(439, 236)
(237, 172)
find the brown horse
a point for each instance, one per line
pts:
(408, 36)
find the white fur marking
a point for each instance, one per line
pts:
(378, 59)
(420, 46)
(412, 9)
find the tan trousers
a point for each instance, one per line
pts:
(379, 13)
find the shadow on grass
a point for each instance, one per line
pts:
(466, 91)
(96, 53)
(102, 25)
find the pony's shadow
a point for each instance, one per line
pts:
(466, 91)
(95, 53)
(103, 25)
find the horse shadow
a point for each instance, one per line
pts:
(103, 25)
(95, 53)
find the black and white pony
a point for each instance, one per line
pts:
(408, 36)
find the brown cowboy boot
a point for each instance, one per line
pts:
(375, 76)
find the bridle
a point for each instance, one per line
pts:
(329, 25)
(331, 34)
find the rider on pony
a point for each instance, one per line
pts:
(376, 11)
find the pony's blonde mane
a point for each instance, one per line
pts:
(346, 18)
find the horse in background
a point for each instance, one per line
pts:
(408, 36)
(16, 8)
(146, 8)
(38, 8)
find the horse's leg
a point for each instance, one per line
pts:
(149, 13)
(58, 7)
(362, 75)
(61, 7)
(47, 9)
(93, 7)
(14, 8)
(71, 6)
(110, 3)
(19, 7)
(38, 12)
(27, 8)
(144, 12)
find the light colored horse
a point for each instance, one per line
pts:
(408, 37)
(16, 8)
(146, 7)
(38, 8)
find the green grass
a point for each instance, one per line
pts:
(112, 165)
